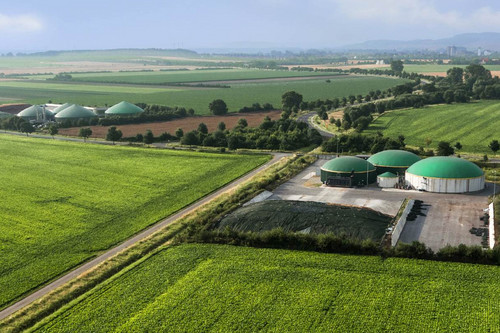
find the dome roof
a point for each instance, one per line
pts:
(75, 111)
(124, 108)
(346, 164)
(387, 175)
(394, 158)
(445, 167)
(33, 110)
(61, 107)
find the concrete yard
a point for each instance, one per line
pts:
(449, 217)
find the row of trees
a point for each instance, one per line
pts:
(283, 134)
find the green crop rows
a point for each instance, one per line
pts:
(192, 76)
(474, 125)
(440, 68)
(195, 288)
(239, 95)
(63, 203)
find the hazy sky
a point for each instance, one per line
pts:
(100, 24)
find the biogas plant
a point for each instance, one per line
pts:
(403, 169)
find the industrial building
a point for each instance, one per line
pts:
(37, 113)
(348, 171)
(123, 109)
(445, 175)
(393, 161)
(74, 112)
(61, 107)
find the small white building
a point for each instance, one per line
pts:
(387, 180)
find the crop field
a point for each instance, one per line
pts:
(220, 288)
(310, 217)
(237, 96)
(474, 125)
(192, 76)
(63, 203)
(442, 68)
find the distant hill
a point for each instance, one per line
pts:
(471, 41)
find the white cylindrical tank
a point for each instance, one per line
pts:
(445, 175)
(387, 180)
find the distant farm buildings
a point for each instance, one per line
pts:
(67, 111)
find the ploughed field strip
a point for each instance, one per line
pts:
(308, 217)
(64, 203)
(197, 288)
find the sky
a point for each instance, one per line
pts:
(34, 25)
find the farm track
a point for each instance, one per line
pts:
(131, 241)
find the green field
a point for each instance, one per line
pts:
(220, 288)
(239, 95)
(441, 68)
(192, 76)
(63, 203)
(315, 217)
(474, 125)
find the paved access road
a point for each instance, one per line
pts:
(131, 241)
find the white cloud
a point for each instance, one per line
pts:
(418, 12)
(19, 23)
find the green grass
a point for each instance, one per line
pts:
(441, 68)
(191, 76)
(239, 95)
(222, 288)
(474, 125)
(63, 203)
(319, 218)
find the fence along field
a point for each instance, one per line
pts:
(473, 124)
(196, 288)
(236, 97)
(63, 203)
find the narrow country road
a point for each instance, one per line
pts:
(306, 118)
(131, 241)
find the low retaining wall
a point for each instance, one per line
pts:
(398, 228)
(491, 227)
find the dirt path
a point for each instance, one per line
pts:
(131, 241)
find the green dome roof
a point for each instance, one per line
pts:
(33, 110)
(445, 167)
(61, 107)
(394, 158)
(348, 163)
(124, 108)
(75, 111)
(388, 175)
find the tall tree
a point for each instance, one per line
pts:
(455, 75)
(53, 130)
(221, 126)
(27, 128)
(218, 107)
(445, 149)
(397, 66)
(85, 133)
(202, 128)
(291, 99)
(494, 146)
(148, 137)
(179, 133)
(113, 134)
